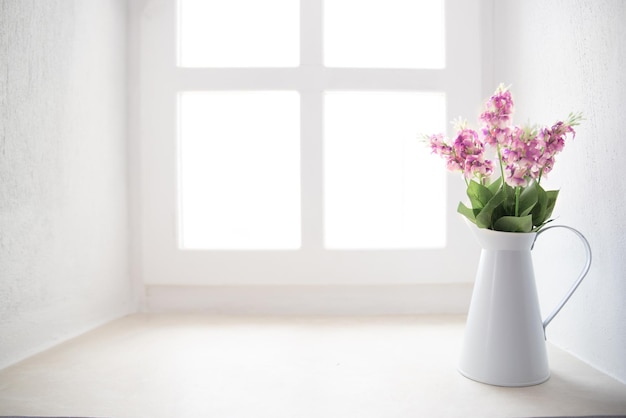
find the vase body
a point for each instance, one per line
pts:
(504, 342)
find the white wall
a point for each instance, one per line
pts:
(63, 217)
(563, 56)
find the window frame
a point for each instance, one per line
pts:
(160, 80)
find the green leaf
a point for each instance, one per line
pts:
(478, 194)
(551, 196)
(467, 212)
(538, 227)
(483, 218)
(495, 186)
(498, 213)
(514, 224)
(539, 211)
(509, 199)
(528, 199)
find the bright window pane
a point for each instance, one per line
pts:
(239, 33)
(382, 188)
(384, 33)
(239, 170)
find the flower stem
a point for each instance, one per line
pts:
(501, 173)
(500, 163)
(517, 192)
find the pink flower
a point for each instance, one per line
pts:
(466, 154)
(497, 116)
(476, 165)
(438, 145)
(522, 156)
(516, 175)
(525, 154)
(467, 143)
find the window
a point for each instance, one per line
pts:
(238, 33)
(239, 170)
(384, 34)
(280, 138)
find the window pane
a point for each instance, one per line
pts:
(382, 188)
(239, 33)
(384, 33)
(239, 170)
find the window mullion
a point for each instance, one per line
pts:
(386, 79)
(187, 79)
(311, 90)
(311, 35)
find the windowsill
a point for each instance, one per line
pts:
(201, 365)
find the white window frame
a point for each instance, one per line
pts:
(154, 104)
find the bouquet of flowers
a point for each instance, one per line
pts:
(514, 201)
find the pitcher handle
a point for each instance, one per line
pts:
(580, 278)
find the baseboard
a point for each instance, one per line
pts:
(449, 298)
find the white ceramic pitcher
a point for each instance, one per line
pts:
(504, 341)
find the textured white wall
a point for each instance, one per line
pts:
(562, 56)
(63, 217)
